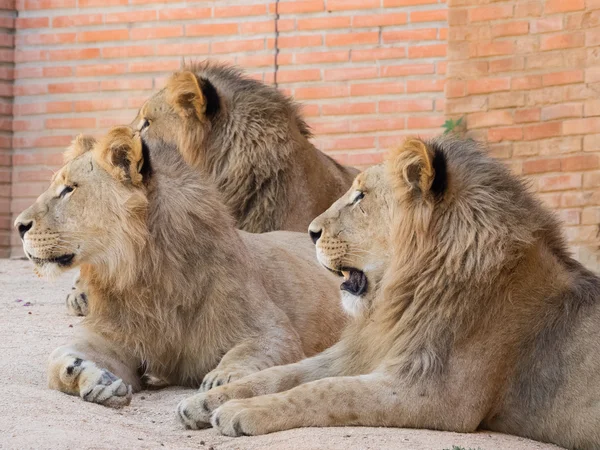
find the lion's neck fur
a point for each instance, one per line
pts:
(164, 278)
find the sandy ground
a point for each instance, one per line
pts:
(33, 321)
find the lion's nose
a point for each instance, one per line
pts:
(315, 235)
(24, 227)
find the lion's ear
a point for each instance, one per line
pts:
(81, 144)
(122, 155)
(418, 167)
(191, 97)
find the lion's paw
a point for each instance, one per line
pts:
(219, 377)
(97, 385)
(242, 418)
(195, 412)
(77, 300)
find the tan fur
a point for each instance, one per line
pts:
(481, 319)
(252, 143)
(175, 291)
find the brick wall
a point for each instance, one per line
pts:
(367, 71)
(526, 75)
(7, 22)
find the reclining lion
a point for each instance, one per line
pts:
(250, 141)
(481, 319)
(175, 289)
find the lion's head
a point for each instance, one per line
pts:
(352, 237)
(93, 210)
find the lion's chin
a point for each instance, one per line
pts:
(52, 267)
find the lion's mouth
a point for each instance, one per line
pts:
(356, 281)
(63, 261)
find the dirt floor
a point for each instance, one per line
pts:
(33, 321)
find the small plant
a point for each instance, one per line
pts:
(454, 126)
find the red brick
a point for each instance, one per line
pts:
(362, 142)
(455, 88)
(527, 115)
(77, 20)
(351, 73)
(547, 24)
(512, 64)
(48, 4)
(185, 49)
(486, 13)
(558, 41)
(344, 109)
(71, 123)
(298, 75)
(32, 22)
(485, 85)
(323, 23)
(427, 51)
(128, 51)
(26, 56)
(376, 54)
(566, 77)
(510, 29)
(211, 29)
(394, 3)
(161, 32)
(541, 166)
(592, 38)
(559, 182)
(345, 5)
(423, 34)
(365, 159)
(99, 104)
(322, 57)
(494, 49)
(395, 87)
(541, 131)
(64, 88)
(95, 70)
(528, 9)
(578, 163)
(238, 46)
(312, 40)
(407, 69)
(184, 13)
(294, 7)
(561, 111)
(240, 11)
(30, 89)
(581, 126)
(155, 66)
(24, 125)
(131, 16)
(424, 122)
(46, 39)
(305, 93)
(425, 85)
(379, 20)
(377, 124)
(433, 15)
(38, 142)
(335, 127)
(103, 35)
(526, 82)
(562, 6)
(417, 105)
(489, 119)
(505, 134)
(126, 84)
(350, 39)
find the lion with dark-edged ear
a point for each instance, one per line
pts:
(175, 288)
(476, 316)
(251, 141)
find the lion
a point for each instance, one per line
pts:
(249, 140)
(480, 318)
(177, 293)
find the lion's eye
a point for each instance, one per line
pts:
(358, 197)
(145, 125)
(66, 190)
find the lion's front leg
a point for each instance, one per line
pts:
(77, 299)
(339, 401)
(196, 411)
(82, 369)
(253, 355)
